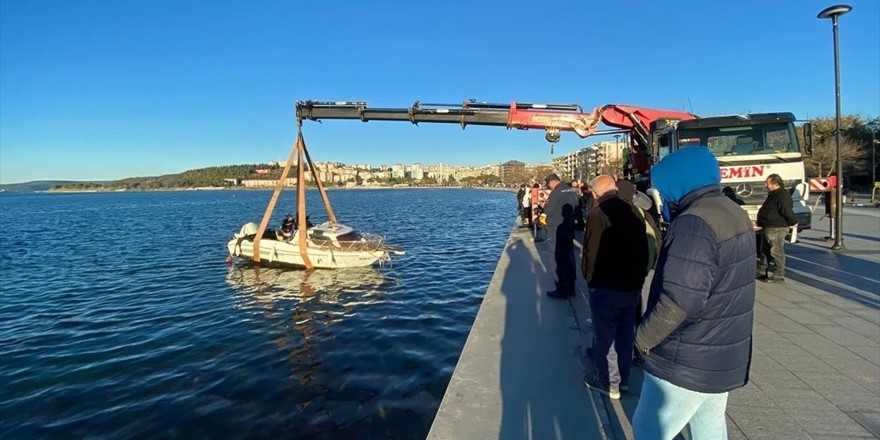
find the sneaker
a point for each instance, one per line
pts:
(594, 383)
(560, 294)
(773, 279)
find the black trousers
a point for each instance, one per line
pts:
(562, 245)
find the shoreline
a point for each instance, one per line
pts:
(357, 188)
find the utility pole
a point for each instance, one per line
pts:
(834, 12)
(617, 146)
(874, 126)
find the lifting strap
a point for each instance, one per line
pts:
(297, 152)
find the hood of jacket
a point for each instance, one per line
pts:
(683, 172)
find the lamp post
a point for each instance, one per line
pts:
(833, 12)
(616, 146)
(874, 126)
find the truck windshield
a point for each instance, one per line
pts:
(740, 141)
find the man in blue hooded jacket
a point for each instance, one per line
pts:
(696, 335)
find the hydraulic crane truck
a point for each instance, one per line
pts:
(748, 147)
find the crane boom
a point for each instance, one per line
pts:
(552, 118)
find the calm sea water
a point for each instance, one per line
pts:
(120, 319)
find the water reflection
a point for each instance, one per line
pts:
(274, 284)
(299, 308)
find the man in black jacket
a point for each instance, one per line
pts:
(696, 336)
(775, 218)
(615, 264)
(519, 198)
(560, 209)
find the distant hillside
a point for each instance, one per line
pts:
(43, 185)
(202, 177)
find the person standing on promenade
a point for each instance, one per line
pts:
(525, 203)
(560, 209)
(642, 204)
(615, 264)
(519, 201)
(774, 220)
(579, 212)
(696, 336)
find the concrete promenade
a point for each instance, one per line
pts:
(815, 372)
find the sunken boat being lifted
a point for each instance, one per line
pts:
(329, 245)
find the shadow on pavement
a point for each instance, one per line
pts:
(542, 395)
(861, 237)
(854, 278)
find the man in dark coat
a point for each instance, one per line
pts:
(615, 264)
(696, 336)
(288, 225)
(627, 192)
(519, 198)
(560, 209)
(775, 219)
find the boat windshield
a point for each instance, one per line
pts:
(741, 141)
(351, 236)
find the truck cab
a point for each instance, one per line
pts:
(749, 148)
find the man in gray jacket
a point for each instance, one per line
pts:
(560, 208)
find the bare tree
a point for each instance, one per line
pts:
(614, 167)
(539, 172)
(517, 177)
(854, 145)
(823, 160)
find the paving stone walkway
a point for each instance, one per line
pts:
(815, 371)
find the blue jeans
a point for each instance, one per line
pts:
(664, 409)
(614, 321)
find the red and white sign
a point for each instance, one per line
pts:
(745, 171)
(823, 184)
(539, 198)
(759, 173)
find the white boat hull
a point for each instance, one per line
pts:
(323, 249)
(285, 252)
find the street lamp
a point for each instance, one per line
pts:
(833, 12)
(616, 145)
(874, 126)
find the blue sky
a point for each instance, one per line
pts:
(105, 89)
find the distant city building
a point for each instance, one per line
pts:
(574, 165)
(416, 171)
(439, 172)
(610, 150)
(266, 183)
(365, 174)
(511, 168)
(398, 171)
